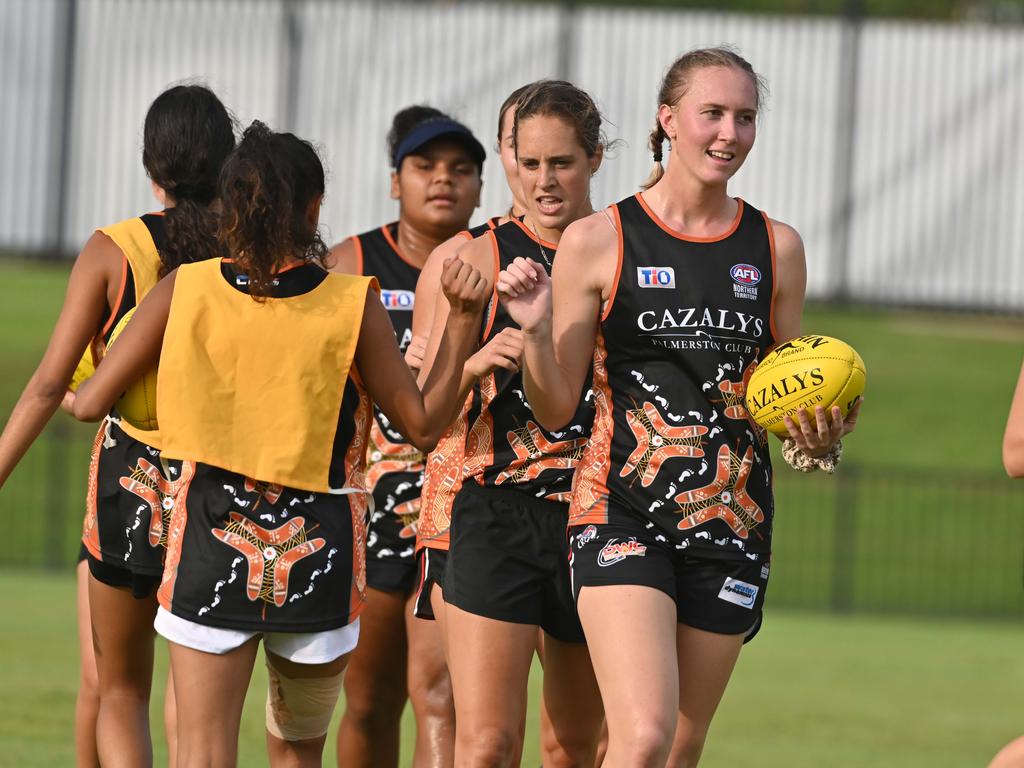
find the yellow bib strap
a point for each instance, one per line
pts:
(132, 236)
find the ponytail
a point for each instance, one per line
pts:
(655, 143)
(187, 135)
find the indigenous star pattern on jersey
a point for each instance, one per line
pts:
(672, 441)
(506, 446)
(394, 466)
(445, 464)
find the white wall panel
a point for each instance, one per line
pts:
(937, 182)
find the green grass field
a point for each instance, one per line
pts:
(921, 521)
(938, 384)
(812, 690)
(908, 517)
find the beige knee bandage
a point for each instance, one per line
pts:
(300, 708)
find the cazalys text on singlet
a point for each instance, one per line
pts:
(714, 329)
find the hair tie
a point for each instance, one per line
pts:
(657, 155)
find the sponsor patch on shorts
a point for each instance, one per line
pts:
(588, 535)
(739, 592)
(616, 551)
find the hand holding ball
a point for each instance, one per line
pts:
(805, 372)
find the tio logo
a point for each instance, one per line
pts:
(746, 274)
(656, 277)
(396, 299)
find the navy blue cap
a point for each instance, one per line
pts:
(436, 128)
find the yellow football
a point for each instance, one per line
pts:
(137, 405)
(83, 370)
(804, 373)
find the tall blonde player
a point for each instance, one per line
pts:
(672, 507)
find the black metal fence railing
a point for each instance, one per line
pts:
(888, 540)
(861, 540)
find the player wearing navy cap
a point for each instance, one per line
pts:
(436, 179)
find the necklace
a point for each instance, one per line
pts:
(540, 247)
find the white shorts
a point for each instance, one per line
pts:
(300, 647)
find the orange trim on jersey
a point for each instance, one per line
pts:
(590, 485)
(90, 530)
(359, 254)
(120, 297)
(296, 265)
(618, 267)
(397, 250)
(493, 303)
(493, 222)
(775, 279)
(534, 237)
(689, 238)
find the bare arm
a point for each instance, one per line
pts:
(137, 351)
(479, 254)
(1013, 437)
(815, 434)
(345, 257)
(97, 268)
(790, 280)
(559, 345)
(427, 289)
(423, 416)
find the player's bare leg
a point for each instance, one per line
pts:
(430, 692)
(210, 690)
(489, 662)
(573, 706)
(639, 686)
(171, 720)
(87, 703)
(122, 630)
(375, 685)
(304, 753)
(1010, 756)
(706, 662)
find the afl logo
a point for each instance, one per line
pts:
(745, 274)
(397, 299)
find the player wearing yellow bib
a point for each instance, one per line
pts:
(264, 371)
(187, 135)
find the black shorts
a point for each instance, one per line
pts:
(141, 585)
(430, 564)
(262, 557)
(391, 536)
(508, 560)
(129, 502)
(711, 592)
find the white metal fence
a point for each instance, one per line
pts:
(892, 147)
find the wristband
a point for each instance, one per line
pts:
(801, 462)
